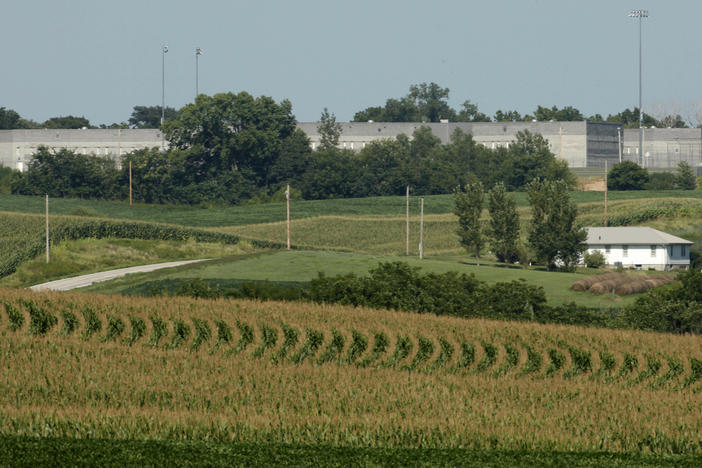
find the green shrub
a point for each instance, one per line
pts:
(594, 259)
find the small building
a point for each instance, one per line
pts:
(639, 247)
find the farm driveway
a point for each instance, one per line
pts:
(86, 280)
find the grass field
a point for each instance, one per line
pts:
(103, 367)
(302, 266)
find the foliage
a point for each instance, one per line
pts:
(396, 285)
(661, 181)
(150, 116)
(686, 179)
(555, 236)
(329, 130)
(469, 206)
(9, 119)
(675, 309)
(504, 224)
(231, 133)
(568, 113)
(64, 173)
(627, 175)
(67, 122)
(594, 259)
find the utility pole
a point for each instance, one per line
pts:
(407, 227)
(164, 51)
(287, 203)
(421, 228)
(605, 206)
(619, 144)
(47, 228)
(130, 182)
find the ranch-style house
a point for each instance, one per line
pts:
(639, 247)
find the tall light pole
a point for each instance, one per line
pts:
(640, 14)
(164, 51)
(198, 53)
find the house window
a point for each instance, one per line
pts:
(683, 250)
(653, 251)
(625, 250)
(607, 248)
(670, 249)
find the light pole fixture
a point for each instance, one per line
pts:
(640, 14)
(164, 51)
(198, 53)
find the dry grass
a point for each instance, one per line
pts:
(622, 283)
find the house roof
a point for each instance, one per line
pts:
(631, 235)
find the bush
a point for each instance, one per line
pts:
(595, 259)
(627, 175)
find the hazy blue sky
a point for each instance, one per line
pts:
(99, 59)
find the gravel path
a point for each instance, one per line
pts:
(86, 280)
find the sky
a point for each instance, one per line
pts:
(99, 59)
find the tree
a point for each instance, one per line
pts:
(431, 100)
(508, 116)
(630, 119)
(67, 122)
(685, 178)
(627, 175)
(150, 116)
(504, 224)
(64, 173)
(468, 207)
(568, 113)
(470, 113)
(232, 133)
(555, 236)
(9, 119)
(329, 130)
(529, 157)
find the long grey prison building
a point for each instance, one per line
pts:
(582, 144)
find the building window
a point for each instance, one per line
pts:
(607, 248)
(670, 250)
(625, 250)
(653, 251)
(683, 250)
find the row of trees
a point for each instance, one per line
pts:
(628, 175)
(142, 117)
(429, 103)
(230, 148)
(555, 237)
(423, 103)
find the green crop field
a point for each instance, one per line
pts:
(245, 372)
(271, 212)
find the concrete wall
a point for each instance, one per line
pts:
(17, 146)
(664, 147)
(581, 144)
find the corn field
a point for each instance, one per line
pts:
(165, 368)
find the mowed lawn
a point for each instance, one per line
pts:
(302, 266)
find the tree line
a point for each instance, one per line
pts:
(231, 148)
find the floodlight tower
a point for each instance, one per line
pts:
(198, 53)
(640, 14)
(164, 51)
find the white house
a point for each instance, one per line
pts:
(639, 247)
